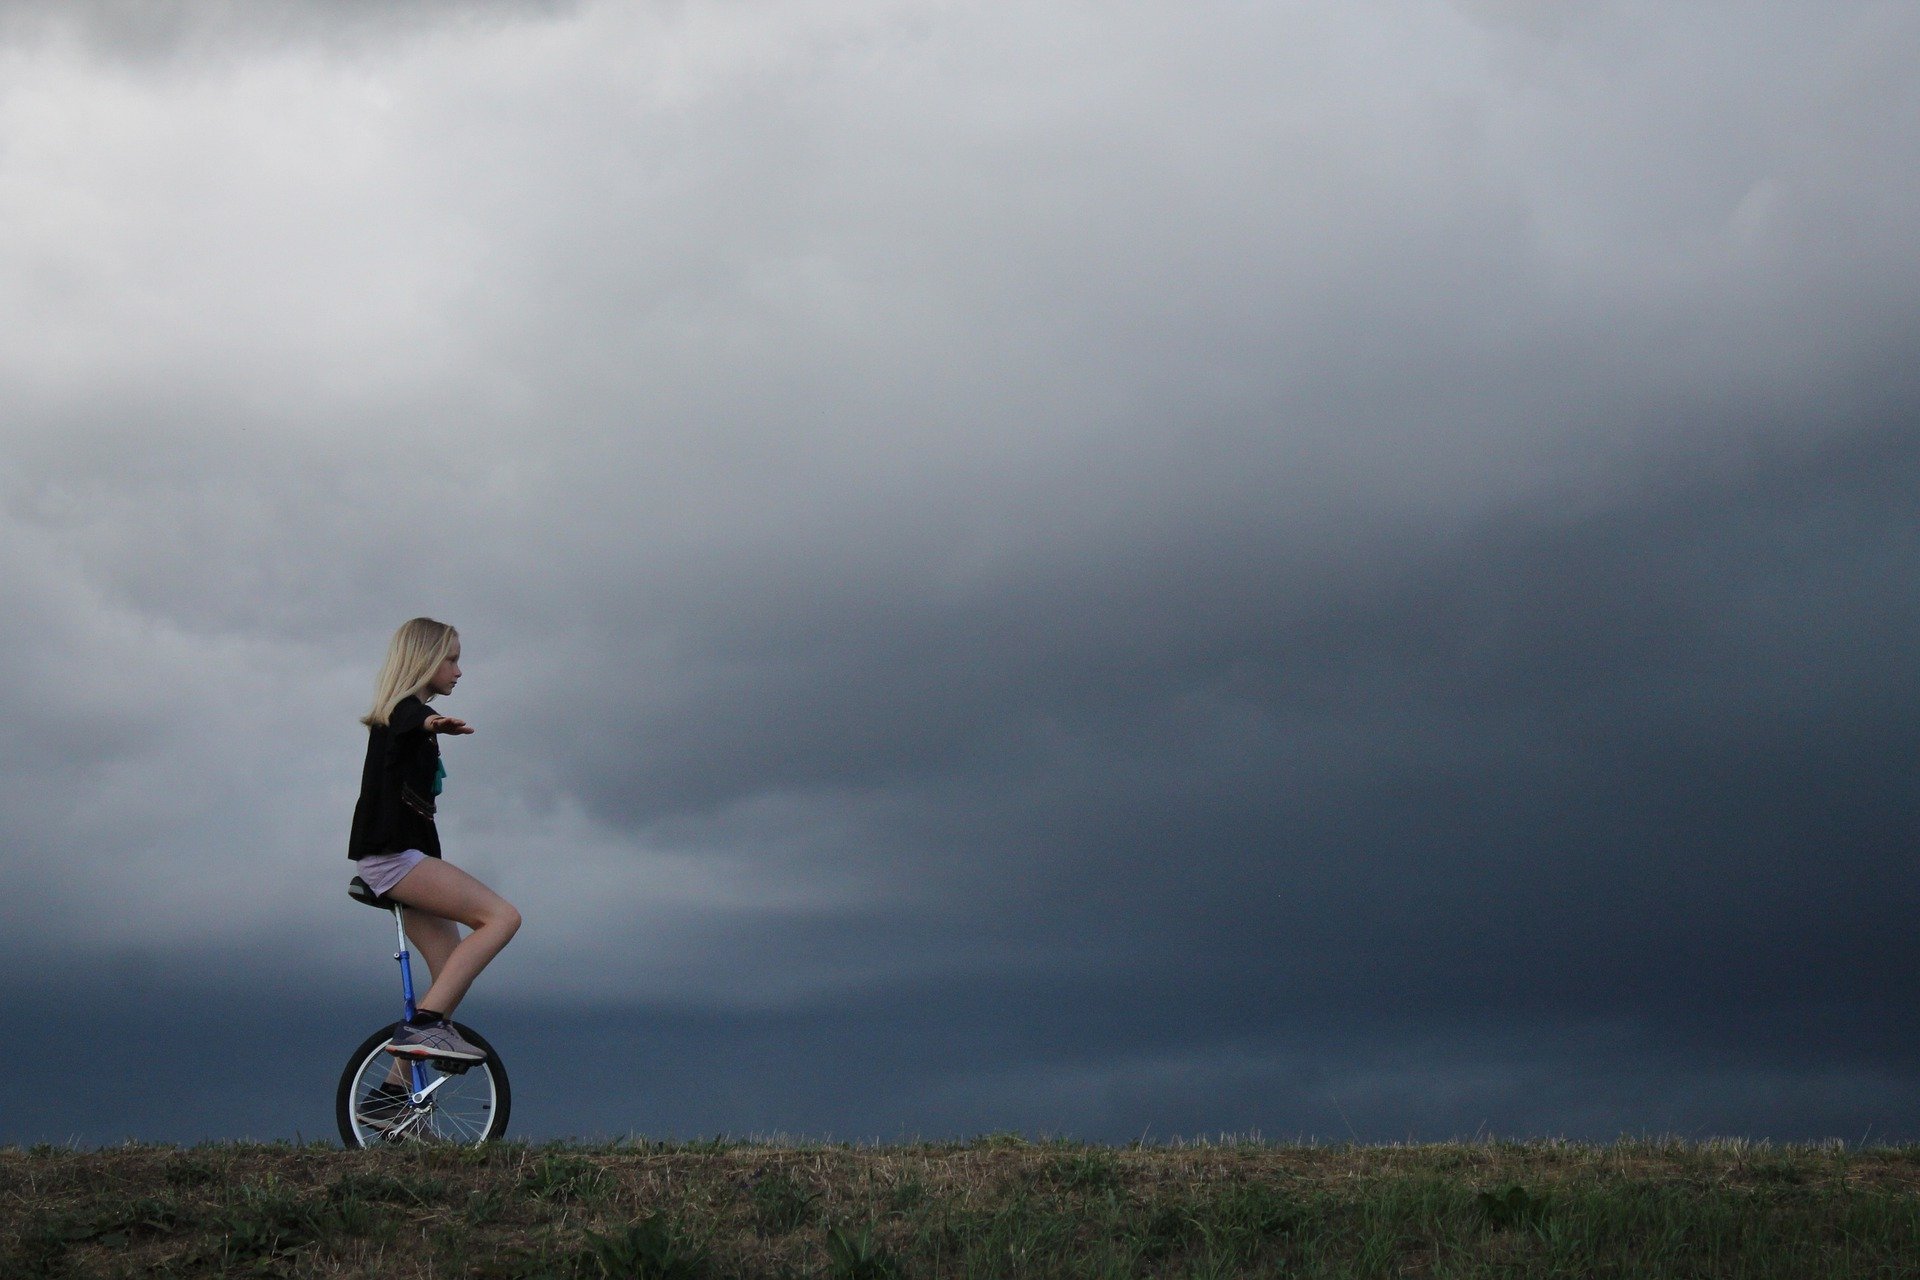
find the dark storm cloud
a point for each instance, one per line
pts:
(141, 30)
(1152, 567)
(1627, 760)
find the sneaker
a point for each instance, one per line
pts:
(435, 1040)
(384, 1106)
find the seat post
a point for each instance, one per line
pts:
(406, 967)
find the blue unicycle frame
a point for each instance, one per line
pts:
(416, 1070)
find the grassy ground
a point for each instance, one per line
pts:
(990, 1208)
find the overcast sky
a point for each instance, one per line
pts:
(1099, 568)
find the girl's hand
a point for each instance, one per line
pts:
(446, 724)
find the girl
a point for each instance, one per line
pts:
(396, 849)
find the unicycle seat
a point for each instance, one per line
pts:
(360, 891)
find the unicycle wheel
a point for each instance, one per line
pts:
(463, 1105)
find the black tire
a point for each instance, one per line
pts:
(470, 1108)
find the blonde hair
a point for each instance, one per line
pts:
(417, 650)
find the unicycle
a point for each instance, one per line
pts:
(383, 1098)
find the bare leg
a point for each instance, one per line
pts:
(434, 939)
(446, 891)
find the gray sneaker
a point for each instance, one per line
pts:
(435, 1040)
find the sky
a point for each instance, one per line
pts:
(1108, 570)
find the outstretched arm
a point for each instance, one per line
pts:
(446, 724)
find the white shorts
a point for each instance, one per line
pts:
(382, 871)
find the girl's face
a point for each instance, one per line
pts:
(448, 674)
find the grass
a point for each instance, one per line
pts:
(998, 1207)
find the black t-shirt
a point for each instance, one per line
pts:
(395, 810)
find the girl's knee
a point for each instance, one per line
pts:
(506, 918)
